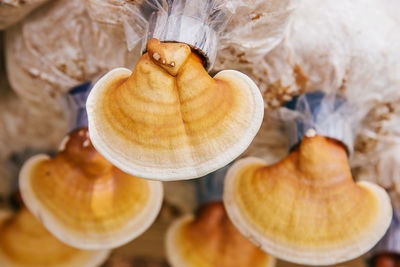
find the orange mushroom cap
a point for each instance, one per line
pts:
(168, 119)
(84, 200)
(210, 239)
(24, 242)
(307, 208)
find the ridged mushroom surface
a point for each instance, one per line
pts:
(168, 119)
(210, 239)
(84, 200)
(307, 208)
(24, 242)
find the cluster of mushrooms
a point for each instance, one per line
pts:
(136, 130)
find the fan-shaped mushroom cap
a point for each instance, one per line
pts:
(24, 242)
(168, 119)
(307, 208)
(210, 239)
(84, 200)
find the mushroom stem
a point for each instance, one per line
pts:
(318, 156)
(192, 22)
(322, 114)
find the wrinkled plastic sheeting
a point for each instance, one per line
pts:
(250, 28)
(270, 143)
(65, 43)
(12, 11)
(135, 16)
(23, 128)
(337, 46)
(382, 165)
(75, 106)
(378, 146)
(328, 115)
(58, 47)
(122, 14)
(348, 48)
(256, 28)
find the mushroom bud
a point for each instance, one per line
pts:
(82, 198)
(307, 208)
(209, 238)
(168, 119)
(25, 242)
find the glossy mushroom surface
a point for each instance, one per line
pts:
(168, 119)
(84, 200)
(24, 242)
(306, 208)
(210, 239)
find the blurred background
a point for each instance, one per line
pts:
(48, 47)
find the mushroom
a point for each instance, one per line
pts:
(84, 200)
(210, 239)
(324, 48)
(307, 208)
(24, 242)
(168, 119)
(387, 251)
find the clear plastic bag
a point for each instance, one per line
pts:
(349, 49)
(12, 11)
(65, 43)
(24, 129)
(234, 30)
(58, 47)
(75, 106)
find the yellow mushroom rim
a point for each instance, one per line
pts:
(168, 119)
(209, 240)
(306, 208)
(84, 200)
(24, 242)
